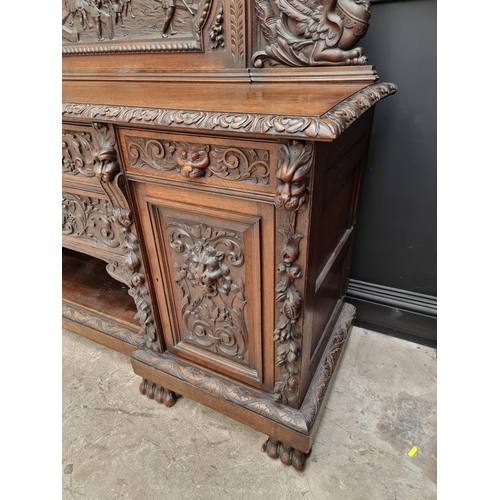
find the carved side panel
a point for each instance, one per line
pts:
(110, 26)
(199, 160)
(295, 162)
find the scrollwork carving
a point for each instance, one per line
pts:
(90, 219)
(198, 160)
(77, 153)
(312, 32)
(212, 301)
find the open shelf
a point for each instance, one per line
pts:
(95, 304)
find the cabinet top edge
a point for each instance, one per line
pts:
(315, 112)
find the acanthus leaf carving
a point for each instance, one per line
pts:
(77, 153)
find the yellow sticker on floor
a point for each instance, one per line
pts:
(412, 451)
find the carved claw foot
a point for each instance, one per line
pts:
(157, 392)
(287, 454)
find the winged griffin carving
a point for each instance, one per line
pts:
(312, 32)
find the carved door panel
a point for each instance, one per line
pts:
(206, 254)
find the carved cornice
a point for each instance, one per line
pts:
(301, 420)
(326, 127)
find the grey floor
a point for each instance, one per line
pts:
(118, 444)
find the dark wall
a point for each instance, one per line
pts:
(396, 239)
(393, 278)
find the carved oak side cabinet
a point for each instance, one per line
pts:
(212, 159)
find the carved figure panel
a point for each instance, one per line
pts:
(311, 32)
(209, 264)
(132, 25)
(200, 160)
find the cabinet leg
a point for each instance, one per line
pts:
(287, 454)
(157, 392)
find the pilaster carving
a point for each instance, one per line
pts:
(295, 161)
(237, 19)
(311, 32)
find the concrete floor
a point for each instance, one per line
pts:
(118, 444)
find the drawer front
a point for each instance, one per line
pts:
(206, 256)
(235, 164)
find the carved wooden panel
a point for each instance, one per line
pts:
(89, 219)
(78, 151)
(210, 265)
(311, 32)
(117, 26)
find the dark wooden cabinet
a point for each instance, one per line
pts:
(212, 169)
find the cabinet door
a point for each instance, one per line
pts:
(213, 285)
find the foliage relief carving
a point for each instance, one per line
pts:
(295, 161)
(77, 153)
(212, 301)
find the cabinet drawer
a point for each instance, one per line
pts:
(235, 164)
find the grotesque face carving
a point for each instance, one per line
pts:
(205, 268)
(293, 175)
(193, 160)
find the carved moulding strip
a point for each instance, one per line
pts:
(326, 127)
(102, 325)
(301, 420)
(200, 160)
